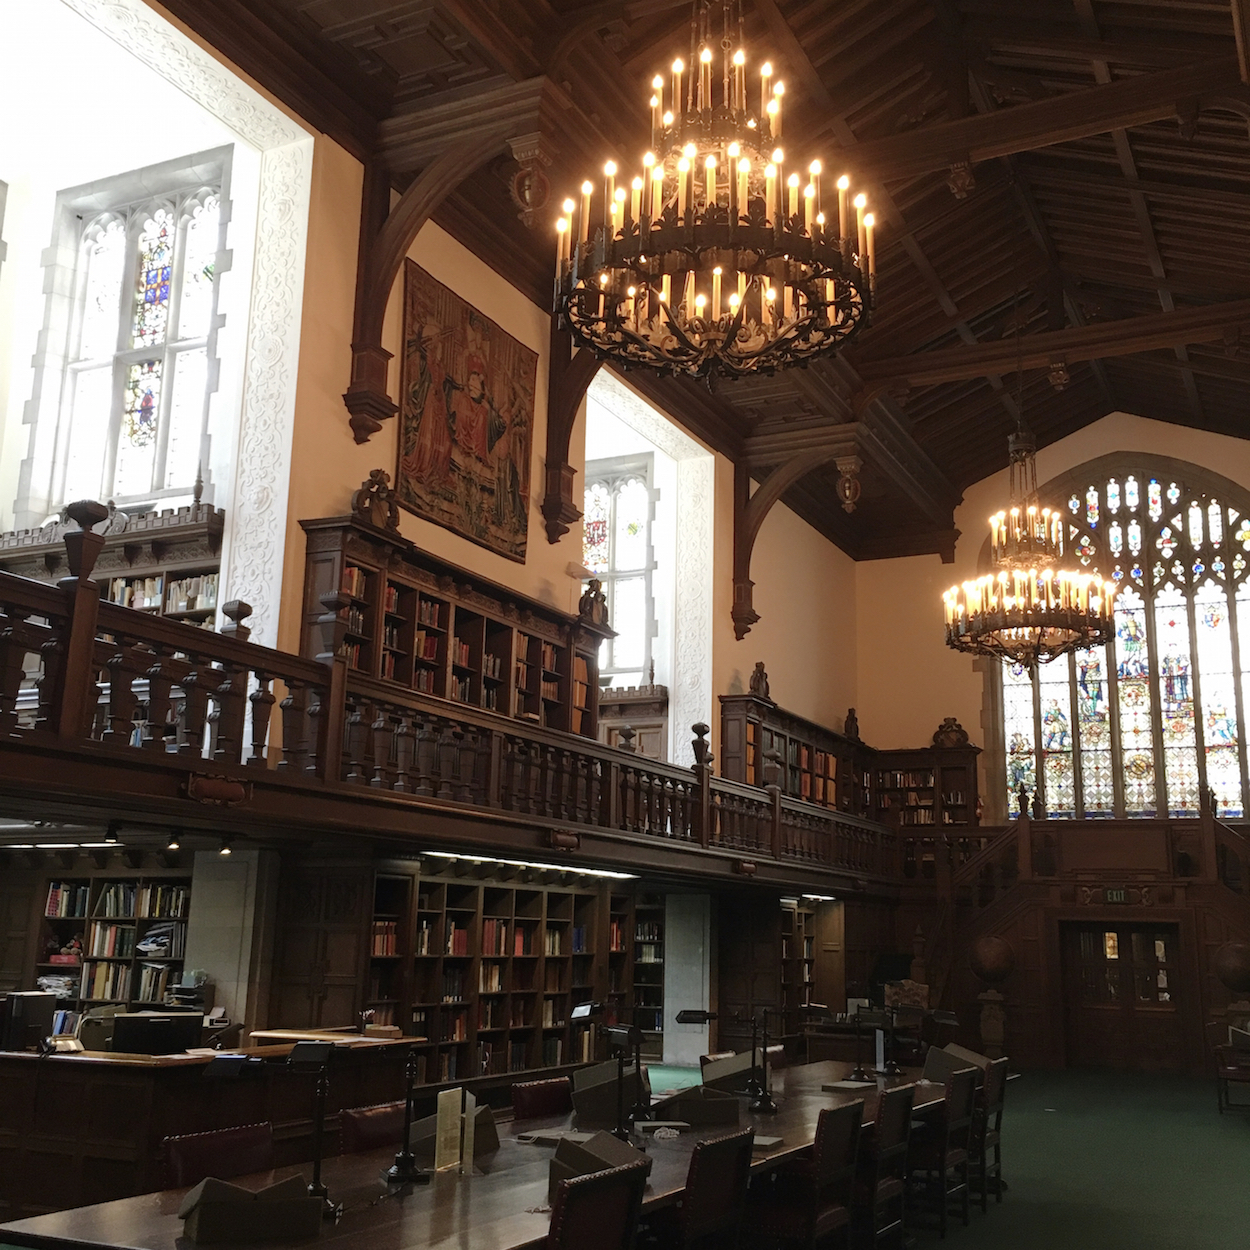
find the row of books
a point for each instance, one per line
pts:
(616, 935)
(461, 689)
(901, 780)
(492, 1057)
(137, 592)
(424, 681)
(154, 980)
(551, 691)
(457, 939)
(490, 979)
(104, 981)
(111, 941)
(453, 985)
(65, 1023)
(355, 619)
(425, 646)
(494, 937)
(385, 938)
(492, 666)
(125, 901)
(66, 899)
(429, 612)
(460, 653)
(192, 594)
(649, 931)
(391, 598)
(648, 953)
(552, 1013)
(383, 1013)
(549, 656)
(354, 581)
(579, 939)
(391, 636)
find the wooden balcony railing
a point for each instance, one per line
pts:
(82, 675)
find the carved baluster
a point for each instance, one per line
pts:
(121, 701)
(383, 749)
(483, 778)
(315, 766)
(508, 774)
(466, 757)
(51, 657)
(670, 808)
(426, 743)
(229, 712)
(560, 773)
(534, 778)
(294, 727)
(627, 801)
(262, 701)
(354, 743)
(160, 685)
(446, 763)
(12, 666)
(581, 789)
(405, 754)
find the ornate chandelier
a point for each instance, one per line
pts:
(1029, 610)
(719, 256)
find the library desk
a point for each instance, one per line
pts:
(502, 1208)
(87, 1128)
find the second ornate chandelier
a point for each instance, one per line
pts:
(722, 254)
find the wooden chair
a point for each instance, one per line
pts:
(939, 1158)
(534, 1099)
(880, 1199)
(1232, 1067)
(223, 1153)
(810, 1200)
(709, 1212)
(600, 1210)
(987, 1130)
(369, 1128)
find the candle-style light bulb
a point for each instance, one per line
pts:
(861, 202)
(678, 66)
(588, 189)
(766, 73)
(870, 222)
(778, 92)
(709, 166)
(562, 236)
(843, 186)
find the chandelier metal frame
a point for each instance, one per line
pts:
(718, 258)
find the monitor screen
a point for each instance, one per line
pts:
(27, 1019)
(140, 1033)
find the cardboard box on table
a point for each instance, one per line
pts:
(595, 1099)
(700, 1107)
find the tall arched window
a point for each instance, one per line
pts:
(1142, 726)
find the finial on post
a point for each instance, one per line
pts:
(702, 748)
(83, 545)
(236, 611)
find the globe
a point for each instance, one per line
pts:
(992, 959)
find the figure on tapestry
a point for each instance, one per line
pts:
(467, 419)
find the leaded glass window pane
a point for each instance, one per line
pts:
(199, 263)
(1093, 715)
(1176, 702)
(136, 444)
(1213, 640)
(1133, 680)
(629, 619)
(1056, 704)
(633, 503)
(155, 281)
(596, 551)
(1018, 719)
(186, 416)
(93, 402)
(106, 268)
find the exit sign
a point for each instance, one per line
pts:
(1115, 896)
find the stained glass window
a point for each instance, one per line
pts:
(1152, 721)
(139, 373)
(616, 546)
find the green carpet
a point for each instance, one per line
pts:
(665, 1077)
(1116, 1161)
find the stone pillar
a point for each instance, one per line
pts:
(229, 930)
(687, 975)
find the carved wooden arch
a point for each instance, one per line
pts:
(568, 379)
(750, 511)
(381, 255)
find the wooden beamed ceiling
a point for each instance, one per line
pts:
(1075, 172)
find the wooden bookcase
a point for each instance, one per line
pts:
(815, 764)
(798, 962)
(927, 787)
(115, 916)
(649, 973)
(436, 628)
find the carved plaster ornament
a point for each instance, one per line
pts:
(961, 180)
(848, 482)
(1059, 377)
(950, 733)
(529, 187)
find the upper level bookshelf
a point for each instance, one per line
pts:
(436, 628)
(909, 789)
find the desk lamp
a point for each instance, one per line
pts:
(315, 1057)
(763, 1101)
(624, 1038)
(404, 1170)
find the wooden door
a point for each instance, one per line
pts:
(749, 966)
(1122, 995)
(320, 960)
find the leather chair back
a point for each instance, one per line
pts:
(600, 1210)
(836, 1151)
(369, 1128)
(224, 1153)
(716, 1186)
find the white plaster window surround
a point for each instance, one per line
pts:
(76, 408)
(690, 685)
(4, 195)
(252, 550)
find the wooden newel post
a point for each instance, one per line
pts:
(703, 758)
(772, 783)
(1206, 827)
(76, 693)
(1024, 845)
(333, 707)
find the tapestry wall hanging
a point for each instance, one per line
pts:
(466, 419)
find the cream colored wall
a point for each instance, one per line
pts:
(805, 593)
(908, 678)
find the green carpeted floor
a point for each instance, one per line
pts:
(1115, 1161)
